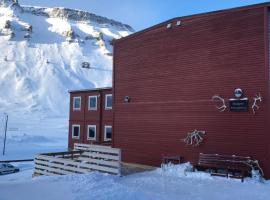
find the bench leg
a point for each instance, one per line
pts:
(243, 175)
(193, 169)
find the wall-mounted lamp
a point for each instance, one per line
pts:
(127, 99)
(169, 25)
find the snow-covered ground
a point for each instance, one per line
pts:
(174, 182)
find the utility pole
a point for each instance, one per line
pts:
(4, 148)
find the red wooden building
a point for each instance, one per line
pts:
(169, 80)
(90, 120)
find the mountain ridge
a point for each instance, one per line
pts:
(73, 14)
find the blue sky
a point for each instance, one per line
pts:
(141, 14)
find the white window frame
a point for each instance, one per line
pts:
(78, 97)
(76, 125)
(106, 107)
(89, 97)
(91, 138)
(105, 132)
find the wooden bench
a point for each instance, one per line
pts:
(226, 165)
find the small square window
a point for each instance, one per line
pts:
(108, 103)
(91, 134)
(76, 103)
(108, 133)
(92, 103)
(76, 131)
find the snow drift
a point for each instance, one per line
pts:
(175, 182)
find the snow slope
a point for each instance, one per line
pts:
(42, 51)
(175, 182)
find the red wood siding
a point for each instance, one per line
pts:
(267, 49)
(86, 117)
(171, 76)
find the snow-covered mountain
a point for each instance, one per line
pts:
(42, 51)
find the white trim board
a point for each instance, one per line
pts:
(105, 133)
(106, 107)
(73, 99)
(96, 98)
(76, 125)
(87, 132)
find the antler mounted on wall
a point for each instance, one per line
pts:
(257, 98)
(194, 138)
(222, 105)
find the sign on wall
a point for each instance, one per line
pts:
(238, 105)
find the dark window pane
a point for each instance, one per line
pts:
(109, 102)
(109, 133)
(76, 131)
(92, 132)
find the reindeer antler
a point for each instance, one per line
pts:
(194, 138)
(257, 98)
(218, 98)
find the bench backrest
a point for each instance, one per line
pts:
(224, 161)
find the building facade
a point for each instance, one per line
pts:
(90, 119)
(181, 75)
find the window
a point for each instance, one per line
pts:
(92, 103)
(108, 133)
(108, 103)
(75, 131)
(91, 132)
(76, 103)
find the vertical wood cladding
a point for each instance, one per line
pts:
(171, 75)
(267, 10)
(85, 117)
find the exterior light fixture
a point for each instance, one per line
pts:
(127, 99)
(169, 25)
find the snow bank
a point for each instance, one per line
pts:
(186, 171)
(182, 171)
(175, 182)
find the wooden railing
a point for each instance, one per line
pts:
(66, 154)
(83, 147)
(92, 158)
